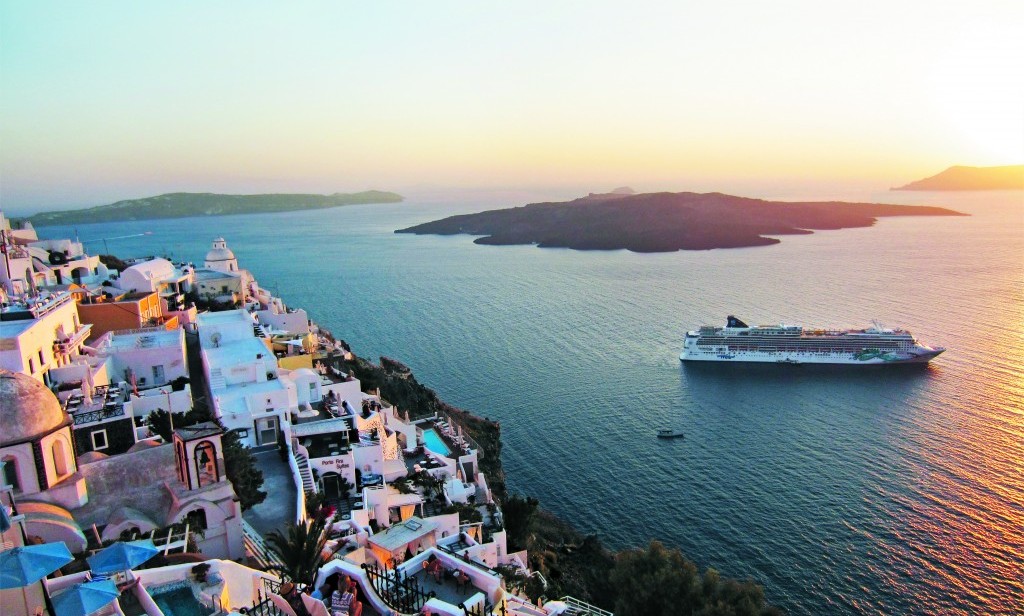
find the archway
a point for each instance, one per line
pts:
(205, 457)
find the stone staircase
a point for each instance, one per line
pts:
(217, 381)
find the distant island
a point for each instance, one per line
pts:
(181, 205)
(1010, 177)
(663, 222)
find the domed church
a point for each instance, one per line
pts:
(220, 257)
(144, 489)
(220, 278)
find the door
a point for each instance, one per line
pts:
(332, 487)
(266, 431)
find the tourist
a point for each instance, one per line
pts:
(341, 600)
(461, 579)
(434, 567)
(294, 598)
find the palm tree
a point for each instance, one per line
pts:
(301, 550)
(432, 486)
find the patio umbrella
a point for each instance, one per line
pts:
(24, 565)
(122, 556)
(85, 598)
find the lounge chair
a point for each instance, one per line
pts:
(282, 605)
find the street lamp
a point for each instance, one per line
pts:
(170, 412)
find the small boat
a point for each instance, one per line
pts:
(666, 433)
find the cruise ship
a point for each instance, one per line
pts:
(792, 344)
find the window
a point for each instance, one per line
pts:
(42, 362)
(158, 374)
(11, 472)
(196, 519)
(31, 366)
(312, 392)
(224, 288)
(60, 458)
(99, 440)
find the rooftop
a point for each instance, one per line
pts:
(399, 535)
(209, 274)
(150, 338)
(144, 480)
(207, 319)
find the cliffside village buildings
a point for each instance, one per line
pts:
(87, 353)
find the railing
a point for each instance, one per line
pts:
(480, 609)
(397, 591)
(467, 560)
(582, 608)
(264, 607)
(100, 415)
(66, 344)
(470, 441)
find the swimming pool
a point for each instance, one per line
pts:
(432, 441)
(180, 602)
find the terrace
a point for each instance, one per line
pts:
(444, 435)
(104, 403)
(437, 576)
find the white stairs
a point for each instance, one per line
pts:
(582, 608)
(217, 381)
(308, 485)
(259, 551)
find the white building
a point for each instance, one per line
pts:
(40, 333)
(247, 394)
(144, 358)
(161, 276)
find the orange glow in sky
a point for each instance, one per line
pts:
(119, 100)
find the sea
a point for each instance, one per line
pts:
(856, 490)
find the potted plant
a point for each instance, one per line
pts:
(199, 572)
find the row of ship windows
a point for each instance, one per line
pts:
(804, 345)
(733, 349)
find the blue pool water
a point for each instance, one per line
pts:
(180, 602)
(434, 443)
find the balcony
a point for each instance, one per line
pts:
(67, 344)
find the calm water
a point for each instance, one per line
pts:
(842, 491)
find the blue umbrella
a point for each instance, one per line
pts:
(85, 598)
(122, 556)
(24, 565)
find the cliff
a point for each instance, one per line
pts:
(663, 222)
(1010, 177)
(182, 205)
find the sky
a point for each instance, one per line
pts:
(101, 101)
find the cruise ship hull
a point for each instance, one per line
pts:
(738, 342)
(896, 357)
